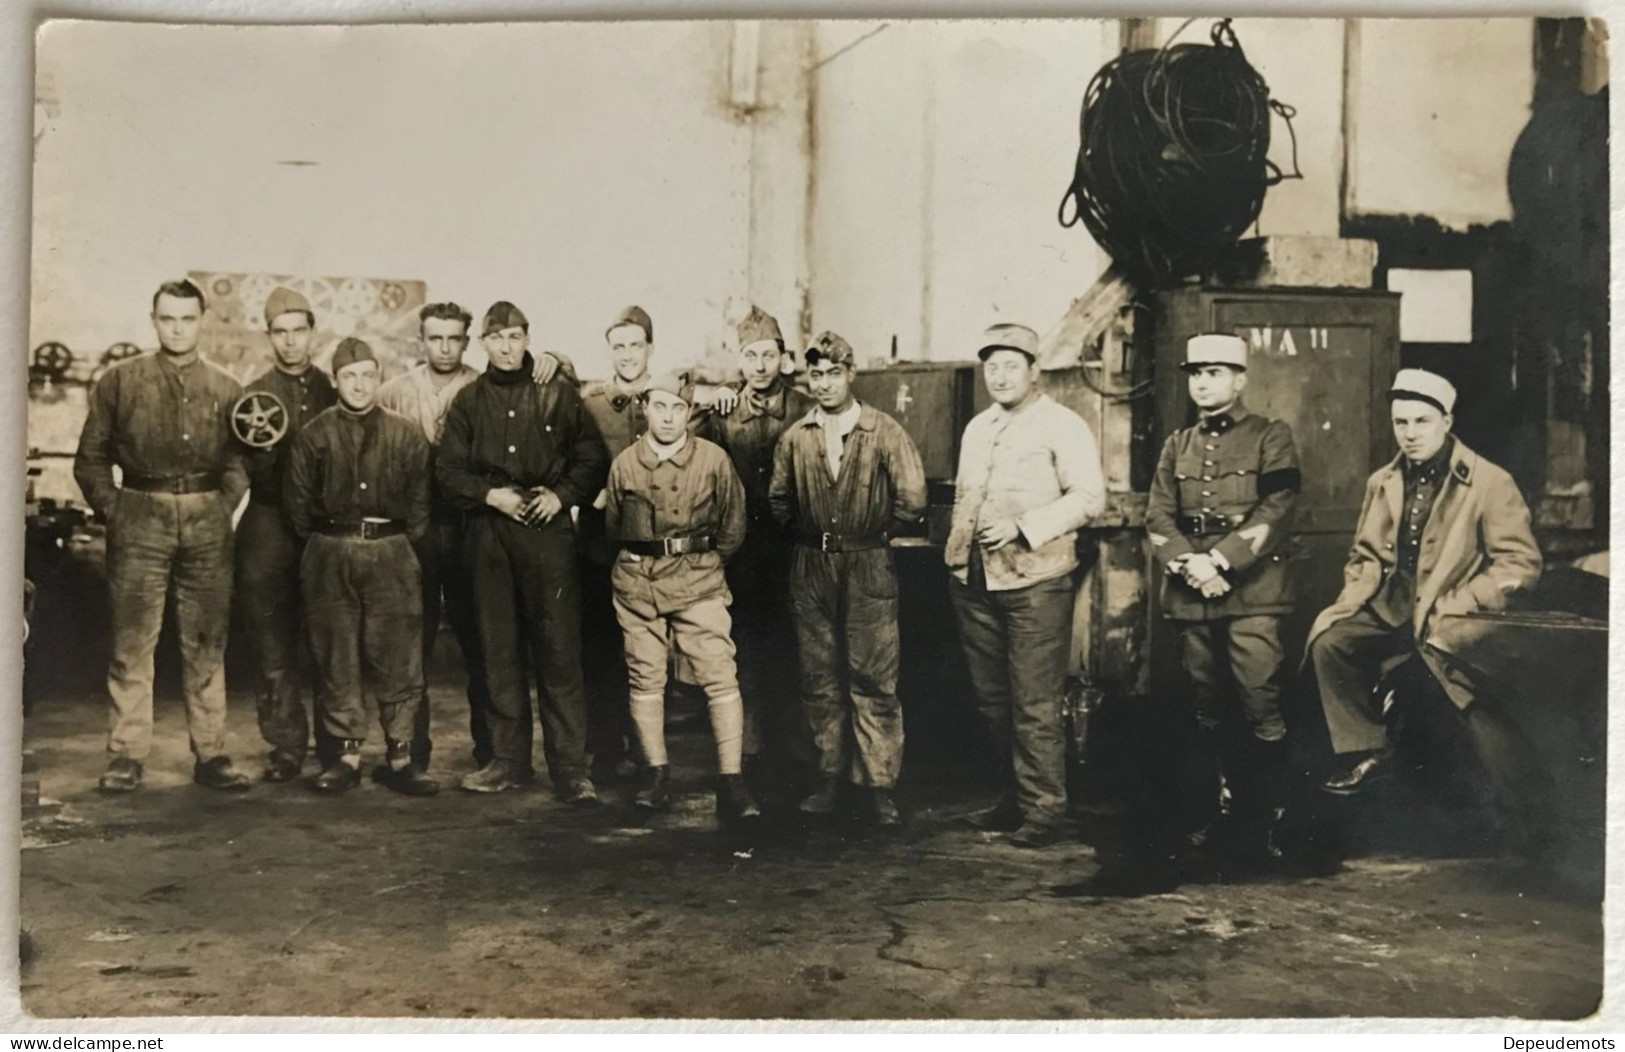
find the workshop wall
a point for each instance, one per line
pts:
(938, 148)
(940, 154)
(570, 168)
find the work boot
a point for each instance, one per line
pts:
(494, 777)
(822, 800)
(884, 809)
(122, 775)
(734, 802)
(1002, 817)
(1036, 835)
(654, 789)
(218, 774)
(578, 792)
(282, 766)
(408, 780)
(337, 777)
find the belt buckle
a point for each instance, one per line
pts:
(671, 545)
(369, 530)
(823, 542)
(1201, 524)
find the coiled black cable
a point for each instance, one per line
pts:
(1173, 156)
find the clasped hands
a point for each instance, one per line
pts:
(1200, 572)
(529, 508)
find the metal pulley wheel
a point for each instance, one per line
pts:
(120, 352)
(259, 419)
(53, 359)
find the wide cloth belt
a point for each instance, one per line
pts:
(1207, 524)
(198, 482)
(835, 542)
(363, 531)
(671, 546)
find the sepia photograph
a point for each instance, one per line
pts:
(1057, 519)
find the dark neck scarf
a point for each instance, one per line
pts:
(513, 377)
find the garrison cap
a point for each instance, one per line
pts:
(350, 351)
(283, 300)
(833, 348)
(1215, 348)
(677, 382)
(1007, 337)
(1422, 386)
(757, 326)
(633, 315)
(504, 315)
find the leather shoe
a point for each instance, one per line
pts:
(884, 809)
(281, 767)
(494, 777)
(408, 780)
(1034, 836)
(1002, 817)
(218, 774)
(579, 792)
(1374, 767)
(734, 802)
(654, 789)
(122, 775)
(822, 800)
(338, 777)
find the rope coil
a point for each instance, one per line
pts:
(1173, 156)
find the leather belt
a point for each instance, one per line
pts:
(364, 531)
(1206, 524)
(671, 546)
(835, 542)
(198, 482)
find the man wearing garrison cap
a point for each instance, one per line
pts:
(423, 395)
(516, 456)
(357, 494)
(1029, 477)
(675, 514)
(759, 576)
(1443, 532)
(845, 477)
(1219, 509)
(268, 550)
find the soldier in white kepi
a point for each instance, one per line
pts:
(1219, 512)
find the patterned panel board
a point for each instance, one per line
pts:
(382, 311)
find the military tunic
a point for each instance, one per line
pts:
(362, 596)
(1226, 486)
(268, 570)
(680, 598)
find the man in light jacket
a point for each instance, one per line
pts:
(1443, 532)
(1029, 477)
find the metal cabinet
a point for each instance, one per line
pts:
(933, 402)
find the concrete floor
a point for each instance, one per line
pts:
(178, 901)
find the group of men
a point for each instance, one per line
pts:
(586, 542)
